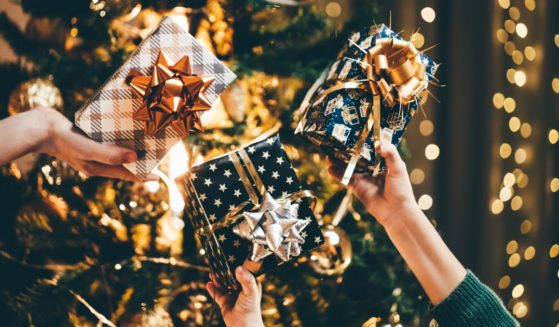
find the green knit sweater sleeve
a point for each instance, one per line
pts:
(472, 304)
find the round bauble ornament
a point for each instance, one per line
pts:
(334, 256)
(35, 93)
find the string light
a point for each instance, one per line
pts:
(526, 226)
(509, 104)
(517, 57)
(553, 136)
(417, 39)
(425, 202)
(554, 185)
(512, 246)
(520, 156)
(511, 71)
(525, 130)
(530, 4)
(502, 35)
(510, 26)
(514, 124)
(554, 251)
(432, 151)
(557, 40)
(516, 203)
(417, 176)
(530, 53)
(498, 100)
(428, 14)
(520, 78)
(426, 127)
(517, 291)
(333, 9)
(529, 253)
(514, 13)
(514, 260)
(521, 30)
(555, 85)
(497, 206)
(504, 282)
(504, 3)
(505, 150)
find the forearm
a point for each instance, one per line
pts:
(429, 258)
(21, 134)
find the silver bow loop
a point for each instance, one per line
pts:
(273, 229)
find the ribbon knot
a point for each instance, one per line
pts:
(172, 96)
(273, 229)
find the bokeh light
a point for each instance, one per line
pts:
(432, 151)
(428, 14)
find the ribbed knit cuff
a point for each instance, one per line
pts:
(472, 304)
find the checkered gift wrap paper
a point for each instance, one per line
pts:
(214, 188)
(107, 116)
(336, 122)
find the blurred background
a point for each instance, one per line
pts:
(483, 158)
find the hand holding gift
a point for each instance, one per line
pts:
(371, 92)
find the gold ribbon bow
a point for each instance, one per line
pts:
(273, 229)
(172, 96)
(395, 72)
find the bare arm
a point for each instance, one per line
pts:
(389, 198)
(47, 131)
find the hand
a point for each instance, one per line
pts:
(242, 309)
(386, 196)
(64, 141)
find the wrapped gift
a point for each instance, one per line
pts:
(249, 209)
(157, 96)
(371, 92)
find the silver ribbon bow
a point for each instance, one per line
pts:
(274, 228)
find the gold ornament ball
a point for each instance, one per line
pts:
(334, 256)
(191, 305)
(35, 93)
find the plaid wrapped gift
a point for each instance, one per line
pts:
(339, 108)
(220, 191)
(108, 116)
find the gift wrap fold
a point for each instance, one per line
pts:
(152, 117)
(249, 209)
(369, 93)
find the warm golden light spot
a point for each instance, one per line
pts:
(514, 13)
(520, 156)
(522, 180)
(504, 3)
(517, 57)
(520, 310)
(517, 291)
(510, 26)
(333, 9)
(514, 124)
(514, 260)
(417, 176)
(520, 78)
(529, 253)
(521, 30)
(498, 100)
(554, 185)
(556, 305)
(425, 202)
(426, 127)
(428, 14)
(554, 251)
(555, 85)
(502, 35)
(530, 53)
(526, 226)
(505, 150)
(557, 40)
(504, 282)
(417, 39)
(525, 130)
(509, 47)
(553, 136)
(510, 74)
(505, 194)
(530, 4)
(512, 246)
(509, 179)
(432, 151)
(497, 206)
(516, 203)
(509, 105)
(74, 32)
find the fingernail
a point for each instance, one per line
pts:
(130, 157)
(240, 270)
(151, 178)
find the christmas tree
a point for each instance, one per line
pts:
(79, 250)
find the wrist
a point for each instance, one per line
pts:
(408, 214)
(45, 118)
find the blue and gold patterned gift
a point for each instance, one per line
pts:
(370, 93)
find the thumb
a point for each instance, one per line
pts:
(394, 162)
(247, 281)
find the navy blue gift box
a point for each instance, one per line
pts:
(335, 121)
(216, 188)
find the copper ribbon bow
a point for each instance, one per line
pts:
(172, 96)
(273, 229)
